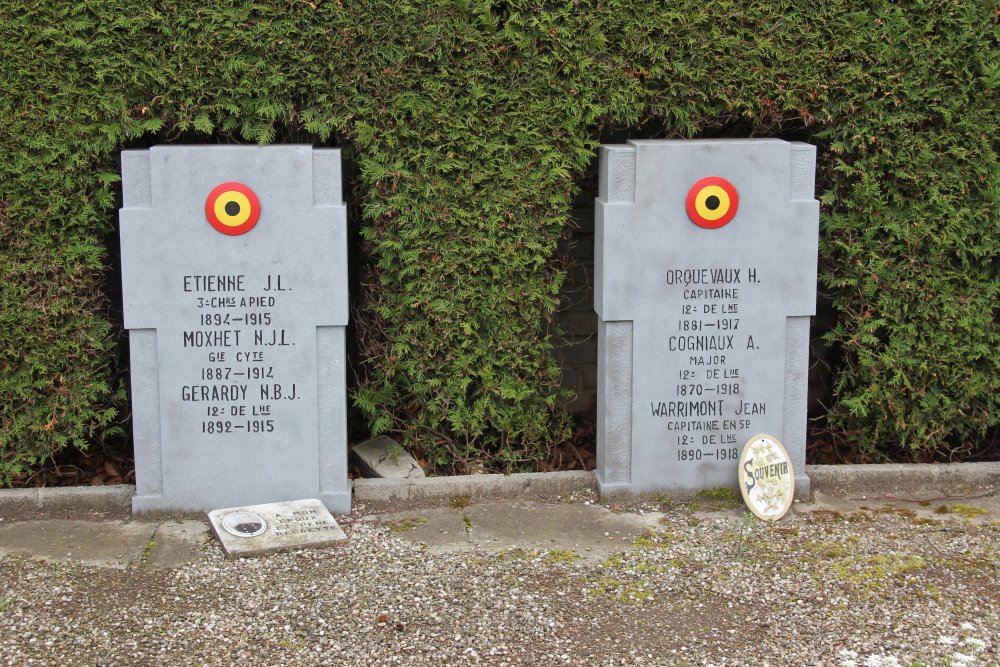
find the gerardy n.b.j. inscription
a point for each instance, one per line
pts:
(704, 284)
(234, 282)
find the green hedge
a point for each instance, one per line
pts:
(471, 123)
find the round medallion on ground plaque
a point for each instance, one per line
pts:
(712, 202)
(244, 524)
(767, 479)
(232, 208)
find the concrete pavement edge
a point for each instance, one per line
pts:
(473, 486)
(868, 479)
(910, 478)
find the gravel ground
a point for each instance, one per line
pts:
(866, 589)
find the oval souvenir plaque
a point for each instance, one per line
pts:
(767, 479)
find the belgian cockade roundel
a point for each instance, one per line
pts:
(232, 208)
(712, 202)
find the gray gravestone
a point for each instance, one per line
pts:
(703, 327)
(234, 280)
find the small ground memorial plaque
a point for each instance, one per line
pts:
(234, 281)
(262, 529)
(767, 477)
(705, 278)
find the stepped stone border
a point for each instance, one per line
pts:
(872, 480)
(474, 486)
(909, 478)
(116, 498)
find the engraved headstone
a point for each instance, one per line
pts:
(705, 278)
(234, 281)
(271, 527)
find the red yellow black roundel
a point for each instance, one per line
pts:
(232, 208)
(712, 202)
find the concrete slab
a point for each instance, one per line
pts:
(106, 543)
(176, 543)
(116, 544)
(591, 531)
(384, 457)
(924, 506)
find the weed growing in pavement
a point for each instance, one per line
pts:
(291, 643)
(655, 539)
(826, 516)
(147, 550)
(405, 525)
(932, 592)
(662, 500)
(898, 511)
(561, 556)
(923, 521)
(627, 563)
(964, 511)
(976, 561)
(721, 498)
(829, 550)
(873, 572)
(746, 529)
(458, 502)
(5, 604)
(625, 592)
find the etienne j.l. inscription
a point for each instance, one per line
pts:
(234, 282)
(239, 387)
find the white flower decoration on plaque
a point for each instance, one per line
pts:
(767, 479)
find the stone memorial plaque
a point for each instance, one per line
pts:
(705, 279)
(234, 281)
(262, 529)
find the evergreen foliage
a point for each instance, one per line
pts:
(471, 122)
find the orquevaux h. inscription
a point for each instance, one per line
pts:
(705, 279)
(709, 341)
(234, 278)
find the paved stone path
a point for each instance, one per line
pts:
(847, 582)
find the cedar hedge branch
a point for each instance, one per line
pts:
(471, 121)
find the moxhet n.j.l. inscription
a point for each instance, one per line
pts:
(234, 278)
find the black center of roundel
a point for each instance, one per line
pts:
(711, 204)
(233, 208)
